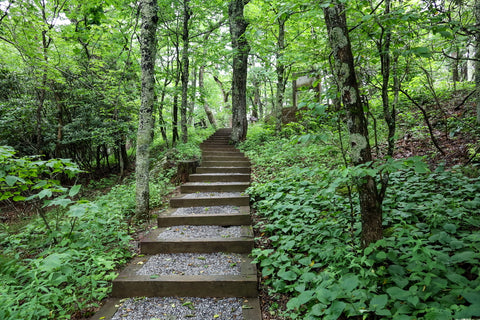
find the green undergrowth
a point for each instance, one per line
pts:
(62, 263)
(425, 267)
(51, 275)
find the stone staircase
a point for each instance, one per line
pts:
(213, 196)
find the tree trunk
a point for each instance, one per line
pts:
(477, 58)
(241, 48)
(191, 105)
(388, 113)
(280, 68)
(148, 9)
(201, 85)
(370, 204)
(185, 70)
(222, 89)
(161, 120)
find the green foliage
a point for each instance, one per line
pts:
(425, 267)
(43, 280)
(22, 177)
(64, 261)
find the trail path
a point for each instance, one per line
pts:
(195, 265)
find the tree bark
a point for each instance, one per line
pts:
(280, 69)
(477, 59)
(185, 69)
(148, 43)
(370, 203)
(385, 58)
(241, 49)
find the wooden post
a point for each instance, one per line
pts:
(184, 169)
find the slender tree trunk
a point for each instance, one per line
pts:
(477, 58)
(256, 99)
(161, 121)
(389, 114)
(222, 89)
(280, 68)
(241, 49)
(370, 203)
(148, 43)
(191, 106)
(175, 136)
(201, 85)
(185, 70)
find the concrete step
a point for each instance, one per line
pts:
(201, 200)
(130, 284)
(153, 245)
(194, 187)
(223, 170)
(205, 217)
(219, 177)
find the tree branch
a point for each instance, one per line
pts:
(425, 116)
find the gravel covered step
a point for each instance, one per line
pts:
(219, 177)
(199, 239)
(210, 199)
(192, 187)
(180, 308)
(182, 274)
(215, 215)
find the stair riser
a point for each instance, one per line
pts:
(207, 202)
(224, 158)
(219, 178)
(223, 170)
(214, 147)
(207, 220)
(225, 164)
(223, 153)
(213, 188)
(210, 246)
(214, 287)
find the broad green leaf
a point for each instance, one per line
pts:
(301, 299)
(287, 275)
(336, 309)
(349, 282)
(324, 295)
(397, 293)
(11, 180)
(468, 256)
(473, 297)
(74, 190)
(378, 302)
(45, 193)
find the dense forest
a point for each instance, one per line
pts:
(362, 121)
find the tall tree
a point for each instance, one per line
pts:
(370, 202)
(187, 13)
(148, 44)
(241, 49)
